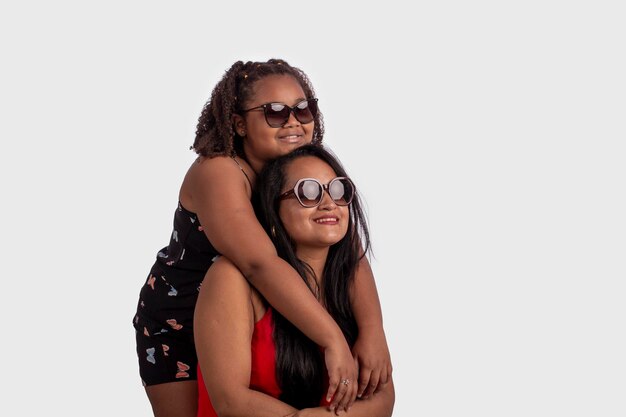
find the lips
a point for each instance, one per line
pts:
(291, 136)
(329, 220)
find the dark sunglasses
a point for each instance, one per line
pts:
(310, 191)
(277, 114)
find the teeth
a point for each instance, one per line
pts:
(326, 220)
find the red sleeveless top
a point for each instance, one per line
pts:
(263, 374)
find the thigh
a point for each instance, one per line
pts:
(165, 358)
(174, 399)
(164, 329)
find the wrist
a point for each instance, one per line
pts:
(333, 339)
(371, 328)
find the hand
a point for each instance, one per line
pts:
(342, 386)
(373, 360)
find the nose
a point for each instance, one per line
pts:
(327, 203)
(291, 121)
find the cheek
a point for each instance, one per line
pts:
(257, 135)
(293, 220)
(258, 128)
(308, 132)
(346, 216)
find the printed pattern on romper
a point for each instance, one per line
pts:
(165, 308)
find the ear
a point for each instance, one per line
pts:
(239, 124)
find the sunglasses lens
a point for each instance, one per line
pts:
(341, 191)
(276, 114)
(309, 193)
(305, 111)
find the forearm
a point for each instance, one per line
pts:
(248, 402)
(222, 203)
(367, 310)
(378, 405)
(285, 290)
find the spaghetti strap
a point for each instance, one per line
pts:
(242, 170)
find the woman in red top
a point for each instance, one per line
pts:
(254, 361)
(257, 111)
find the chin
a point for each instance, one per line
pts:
(331, 241)
(288, 147)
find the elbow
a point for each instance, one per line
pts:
(227, 405)
(224, 412)
(256, 266)
(251, 268)
(226, 408)
(249, 264)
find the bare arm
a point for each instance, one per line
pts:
(367, 309)
(223, 327)
(370, 350)
(379, 405)
(219, 194)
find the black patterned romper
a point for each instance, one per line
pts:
(164, 318)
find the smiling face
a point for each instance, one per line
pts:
(314, 227)
(263, 142)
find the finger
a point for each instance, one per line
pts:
(337, 402)
(333, 384)
(364, 379)
(353, 391)
(346, 388)
(374, 378)
(385, 375)
(384, 380)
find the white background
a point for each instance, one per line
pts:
(486, 137)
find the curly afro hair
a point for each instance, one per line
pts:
(215, 134)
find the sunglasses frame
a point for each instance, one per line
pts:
(292, 109)
(325, 189)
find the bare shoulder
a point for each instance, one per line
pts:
(223, 273)
(212, 176)
(203, 169)
(227, 281)
(219, 165)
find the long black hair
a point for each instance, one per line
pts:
(299, 362)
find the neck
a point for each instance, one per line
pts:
(315, 258)
(255, 163)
